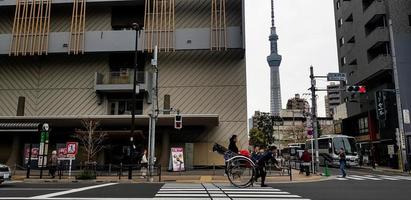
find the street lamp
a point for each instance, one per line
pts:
(136, 27)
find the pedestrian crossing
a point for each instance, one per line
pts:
(208, 191)
(374, 177)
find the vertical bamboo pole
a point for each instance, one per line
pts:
(13, 29)
(28, 33)
(79, 25)
(39, 42)
(36, 24)
(211, 25)
(174, 25)
(48, 26)
(152, 25)
(225, 25)
(44, 26)
(145, 23)
(70, 43)
(84, 27)
(75, 28)
(32, 26)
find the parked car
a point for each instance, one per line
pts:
(5, 173)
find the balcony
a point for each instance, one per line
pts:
(376, 7)
(124, 40)
(13, 2)
(120, 81)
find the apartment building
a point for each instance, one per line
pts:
(332, 99)
(366, 56)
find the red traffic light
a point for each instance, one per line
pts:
(362, 90)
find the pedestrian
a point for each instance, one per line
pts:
(144, 162)
(233, 144)
(343, 162)
(53, 164)
(306, 162)
(262, 161)
(256, 153)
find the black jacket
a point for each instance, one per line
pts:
(233, 147)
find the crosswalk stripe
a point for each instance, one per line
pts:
(222, 192)
(183, 195)
(341, 179)
(388, 178)
(355, 178)
(365, 177)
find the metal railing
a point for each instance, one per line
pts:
(119, 77)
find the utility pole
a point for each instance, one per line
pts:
(314, 118)
(402, 151)
(153, 116)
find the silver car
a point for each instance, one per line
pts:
(5, 173)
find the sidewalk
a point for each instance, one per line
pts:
(194, 176)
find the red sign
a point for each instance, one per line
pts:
(72, 149)
(34, 152)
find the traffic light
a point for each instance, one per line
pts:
(178, 122)
(356, 89)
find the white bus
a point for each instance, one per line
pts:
(330, 145)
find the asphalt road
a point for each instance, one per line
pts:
(350, 190)
(360, 184)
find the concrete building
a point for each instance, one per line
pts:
(74, 61)
(274, 61)
(365, 55)
(332, 99)
(298, 103)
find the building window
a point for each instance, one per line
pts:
(409, 19)
(342, 41)
(338, 4)
(366, 4)
(363, 125)
(350, 18)
(340, 22)
(379, 49)
(343, 60)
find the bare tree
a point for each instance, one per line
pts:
(296, 134)
(90, 139)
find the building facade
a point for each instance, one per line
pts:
(366, 56)
(332, 99)
(298, 103)
(73, 61)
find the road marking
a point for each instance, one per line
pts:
(366, 177)
(222, 193)
(355, 178)
(388, 178)
(341, 179)
(71, 191)
(33, 189)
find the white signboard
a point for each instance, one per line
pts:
(406, 114)
(336, 77)
(390, 150)
(177, 155)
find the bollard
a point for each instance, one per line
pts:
(109, 169)
(290, 171)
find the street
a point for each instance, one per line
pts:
(358, 185)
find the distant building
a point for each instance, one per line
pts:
(298, 103)
(332, 99)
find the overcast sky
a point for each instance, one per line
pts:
(306, 32)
